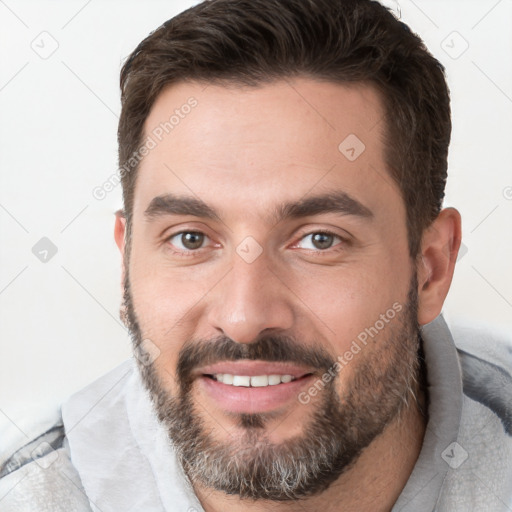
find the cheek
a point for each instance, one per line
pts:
(167, 305)
(344, 302)
(162, 295)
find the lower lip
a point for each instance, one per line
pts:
(241, 399)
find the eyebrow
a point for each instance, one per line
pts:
(170, 204)
(333, 202)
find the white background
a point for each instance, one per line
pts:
(59, 319)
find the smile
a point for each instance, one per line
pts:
(252, 386)
(257, 381)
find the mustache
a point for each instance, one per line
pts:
(268, 348)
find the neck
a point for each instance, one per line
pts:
(372, 484)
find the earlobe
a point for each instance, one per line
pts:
(439, 248)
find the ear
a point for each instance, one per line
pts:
(119, 236)
(439, 248)
(119, 230)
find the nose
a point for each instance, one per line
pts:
(249, 300)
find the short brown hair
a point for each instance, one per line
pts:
(253, 42)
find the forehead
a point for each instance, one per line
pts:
(272, 142)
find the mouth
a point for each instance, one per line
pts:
(253, 386)
(255, 381)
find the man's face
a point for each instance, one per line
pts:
(282, 252)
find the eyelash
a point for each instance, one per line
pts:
(318, 252)
(329, 250)
(181, 253)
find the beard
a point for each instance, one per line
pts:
(384, 378)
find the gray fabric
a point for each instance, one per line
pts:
(121, 451)
(46, 484)
(52, 439)
(489, 385)
(466, 460)
(445, 409)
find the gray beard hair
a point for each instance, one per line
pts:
(250, 466)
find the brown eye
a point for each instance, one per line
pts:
(322, 240)
(319, 241)
(188, 240)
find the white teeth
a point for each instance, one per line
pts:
(258, 381)
(241, 380)
(274, 379)
(227, 378)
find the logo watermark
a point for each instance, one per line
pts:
(151, 142)
(356, 346)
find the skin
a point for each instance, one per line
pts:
(243, 151)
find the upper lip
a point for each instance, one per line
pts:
(255, 368)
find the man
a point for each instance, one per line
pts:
(286, 259)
